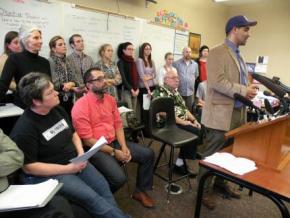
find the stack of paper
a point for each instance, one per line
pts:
(18, 197)
(237, 165)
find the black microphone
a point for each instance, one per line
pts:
(268, 106)
(246, 102)
(270, 94)
(269, 84)
(277, 81)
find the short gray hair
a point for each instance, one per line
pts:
(25, 31)
(32, 86)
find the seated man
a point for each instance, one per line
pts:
(184, 119)
(45, 135)
(11, 159)
(95, 115)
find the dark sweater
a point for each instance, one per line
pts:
(125, 69)
(17, 66)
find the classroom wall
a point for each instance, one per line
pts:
(271, 37)
(204, 16)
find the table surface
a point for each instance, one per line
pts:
(10, 110)
(267, 178)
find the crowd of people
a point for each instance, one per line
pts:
(70, 102)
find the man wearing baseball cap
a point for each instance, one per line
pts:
(226, 75)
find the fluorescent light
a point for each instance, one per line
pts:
(221, 0)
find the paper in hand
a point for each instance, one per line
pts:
(146, 101)
(101, 142)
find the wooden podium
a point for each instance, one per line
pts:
(266, 143)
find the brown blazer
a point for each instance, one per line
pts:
(223, 81)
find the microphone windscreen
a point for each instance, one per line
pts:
(267, 93)
(245, 101)
(269, 84)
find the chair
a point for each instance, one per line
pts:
(169, 134)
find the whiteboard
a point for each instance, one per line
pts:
(60, 18)
(161, 40)
(15, 13)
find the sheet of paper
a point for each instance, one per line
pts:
(87, 155)
(146, 101)
(123, 109)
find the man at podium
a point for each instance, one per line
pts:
(227, 75)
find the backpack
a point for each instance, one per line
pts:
(129, 120)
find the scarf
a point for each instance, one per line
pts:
(133, 70)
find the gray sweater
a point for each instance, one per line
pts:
(11, 159)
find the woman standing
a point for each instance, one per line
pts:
(147, 74)
(201, 61)
(11, 45)
(110, 69)
(62, 73)
(166, 68)
(129, 74)
(20, 64)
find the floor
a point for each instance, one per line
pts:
(183, 205)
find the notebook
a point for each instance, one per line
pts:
(20, 197)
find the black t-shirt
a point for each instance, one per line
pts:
(45, 138)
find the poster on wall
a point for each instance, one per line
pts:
(194, 43)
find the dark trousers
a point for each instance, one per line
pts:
(114, 173)
(188, 101)
(189, 151)
(144, 113)
(215, 141)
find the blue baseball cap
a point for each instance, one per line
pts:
(238, 21)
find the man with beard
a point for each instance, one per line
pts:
(187, 71)
(96, 114)
(227, 74)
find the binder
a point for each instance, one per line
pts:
(21, 197)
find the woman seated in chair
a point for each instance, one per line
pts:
(184, 119)
(45, 135)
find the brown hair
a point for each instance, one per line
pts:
(8, 39)
(167, 54)
(141, 54)
(103, 48)
(52, 43)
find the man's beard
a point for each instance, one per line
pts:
(99, 91)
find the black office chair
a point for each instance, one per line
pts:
(169, 134)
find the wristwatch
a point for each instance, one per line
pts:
(113, 152)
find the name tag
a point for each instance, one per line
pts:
(55, 129)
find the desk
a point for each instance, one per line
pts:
(8, 116)
(268, 182)
(10, 110)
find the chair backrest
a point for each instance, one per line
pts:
(161, 104)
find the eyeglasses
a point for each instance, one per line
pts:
(99, 79)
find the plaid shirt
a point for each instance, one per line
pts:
(80, 64)
(179, 104)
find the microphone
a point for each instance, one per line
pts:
(277, 81)
(268, 106)
(246, 102)
(270, 85)
(270, 94)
